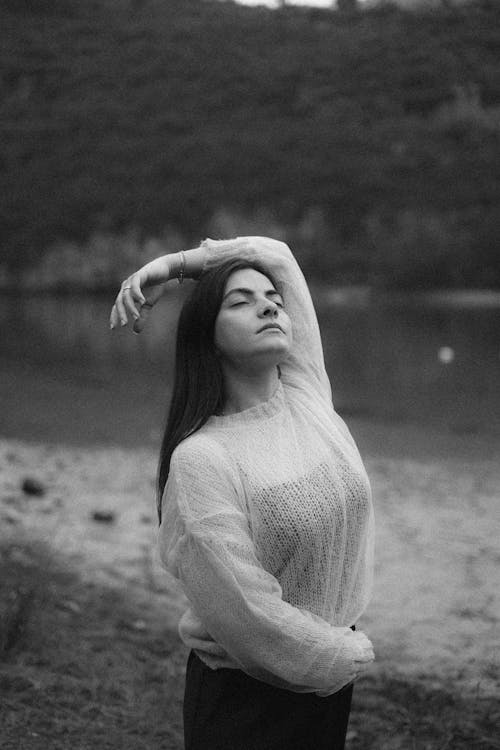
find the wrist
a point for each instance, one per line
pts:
(172, 260)
(187, 263)
(194, 262)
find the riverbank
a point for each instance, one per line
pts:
(433, 618)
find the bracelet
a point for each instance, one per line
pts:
(180, 277)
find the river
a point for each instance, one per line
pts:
(433, 362)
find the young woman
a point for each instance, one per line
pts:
(265, 506)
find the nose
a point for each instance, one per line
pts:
(269, 309)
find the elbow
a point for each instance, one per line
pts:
(277, 254)
(282, 249)
(270, 246)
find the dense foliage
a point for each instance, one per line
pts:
(372, 138)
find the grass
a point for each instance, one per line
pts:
(81, 666)
(398, 714)
(86, 667)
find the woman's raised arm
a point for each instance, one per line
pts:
(305, 367)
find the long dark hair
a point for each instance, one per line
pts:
(198, 390)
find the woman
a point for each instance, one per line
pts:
(265, 507)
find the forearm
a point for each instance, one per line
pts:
(205, 541)
(168, 267)
(194, 261)
(269, 638)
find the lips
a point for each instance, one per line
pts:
(270, 325)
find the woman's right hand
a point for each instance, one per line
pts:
(363, 651)
(357, 649)
(140, 292)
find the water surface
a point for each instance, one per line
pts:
(65, 376)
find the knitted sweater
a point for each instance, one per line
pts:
(267, 518)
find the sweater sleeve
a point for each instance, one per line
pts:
(305, 364)
(206, 543)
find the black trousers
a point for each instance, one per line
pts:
(225, 709)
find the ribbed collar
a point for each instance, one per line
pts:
(264, 410)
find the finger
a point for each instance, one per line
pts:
(362, 640)
(113, 318)
(128, 303)
(152, 298)
(143, 316)
(136, 291)
(361, 662)
(368, 649)
(154, 294)
(364, 658)
(120, 307)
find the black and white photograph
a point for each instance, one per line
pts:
(249, 375)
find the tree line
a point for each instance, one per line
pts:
(370, 139)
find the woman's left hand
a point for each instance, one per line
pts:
(132, 302)
(140, 292)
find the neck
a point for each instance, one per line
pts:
(242, 390)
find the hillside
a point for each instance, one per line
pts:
(375, 135)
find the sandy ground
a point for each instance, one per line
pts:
(435, 609)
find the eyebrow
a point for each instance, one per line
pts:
(250, 292)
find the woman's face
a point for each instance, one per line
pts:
(252, 329)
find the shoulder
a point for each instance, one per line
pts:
(200, 443)
(201, 453)
(202, 476)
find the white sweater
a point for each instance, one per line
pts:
(267, 516)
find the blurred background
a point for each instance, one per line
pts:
(364, 134)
